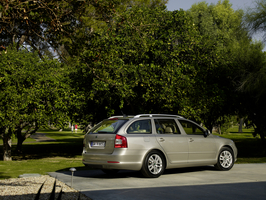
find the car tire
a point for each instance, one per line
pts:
(110, 171)
(153, 165)
(225, 160)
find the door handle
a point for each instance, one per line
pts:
(191, 139)
(161, 140)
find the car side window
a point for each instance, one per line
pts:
(191, 128)
(166, 126)
(140, 127)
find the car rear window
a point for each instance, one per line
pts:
(108, 126)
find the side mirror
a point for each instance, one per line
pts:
(206, 133)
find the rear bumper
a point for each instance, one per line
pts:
(131, 160)
(105, 165)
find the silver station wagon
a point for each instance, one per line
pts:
(152, 143)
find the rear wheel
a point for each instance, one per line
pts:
(110, 171)
(153, 165)
(225, 159)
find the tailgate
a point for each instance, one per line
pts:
(99, 143)
(101, 138)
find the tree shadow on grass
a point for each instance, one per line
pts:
(69, 148)
(4, 176)
(243, 132)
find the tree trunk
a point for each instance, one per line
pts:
(21, 139)
(7, 142)
(260, 130)
(23, 136)
(219, 129)
(208, 125)
(240, 125)
(262, 137)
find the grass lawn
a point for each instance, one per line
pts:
(65, 152)
(42, 157)
(12, 169)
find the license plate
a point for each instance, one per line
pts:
(97, 144)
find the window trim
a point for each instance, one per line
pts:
(138, 133)
(91, 131)
(197, 125)
(177, 126)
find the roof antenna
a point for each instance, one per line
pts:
(124, 115)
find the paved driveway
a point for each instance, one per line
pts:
(243, 181)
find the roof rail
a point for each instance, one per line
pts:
(157, 115)
(121, 116)
(115, 117)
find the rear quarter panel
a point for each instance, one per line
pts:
(139, 145)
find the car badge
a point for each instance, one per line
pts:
(96, 136)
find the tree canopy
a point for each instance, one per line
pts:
(252, 87)
(59, 26)
(224, 34)
(126, 57)
(153, 60)
(33, 92)
(255, 18)
(253, 80)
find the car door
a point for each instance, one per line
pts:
(201, 149)
(171, 140)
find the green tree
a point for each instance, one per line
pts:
(106, 11)
(255, 18)
(135, 64)
(153, 60)
(33, 92)
(253, 79)
(59, 26)
(216, 80)
(42, 24)
(252, 87)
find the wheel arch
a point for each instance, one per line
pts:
(227, 146)
(221, 147)
(159, 150)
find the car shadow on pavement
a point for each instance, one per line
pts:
(97, 173)
(189, 169)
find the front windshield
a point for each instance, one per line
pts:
(108, 126)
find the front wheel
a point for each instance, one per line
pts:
(153, 165)
(225, 159)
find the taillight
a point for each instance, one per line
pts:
(120, 141)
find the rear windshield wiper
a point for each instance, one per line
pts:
(104, 132)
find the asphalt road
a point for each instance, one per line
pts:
(243, 181)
